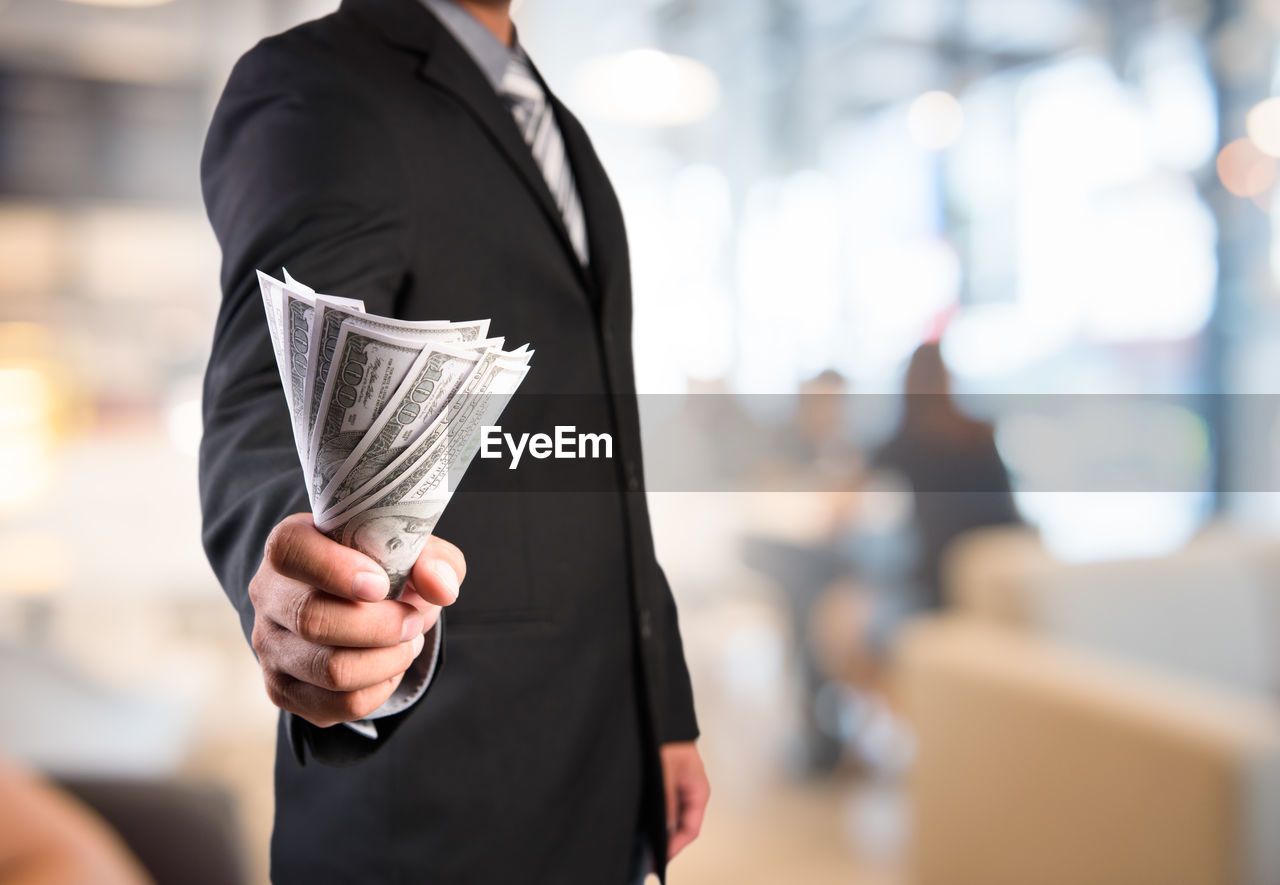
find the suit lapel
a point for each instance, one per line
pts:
(452, 70)
(408, 24)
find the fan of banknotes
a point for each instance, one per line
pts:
(387, 413)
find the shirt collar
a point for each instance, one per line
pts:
(486, 50)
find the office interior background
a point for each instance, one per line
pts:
(899, 679)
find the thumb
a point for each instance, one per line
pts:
(439, 571)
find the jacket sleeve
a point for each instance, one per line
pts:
(676, 719)
(293, 173)
(680, 723)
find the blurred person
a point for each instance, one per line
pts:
(958, 480)
(49, 838)
(815, 450)
(407, 153)
(813, 454)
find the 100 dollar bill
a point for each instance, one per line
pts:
(392, 525)
(426, 463)
(367, 369)
(386, 413)
(432, 382)
(327, 323)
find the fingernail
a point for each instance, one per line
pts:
(418, 642)
(447, 575)
(412, 627)
(370, 586)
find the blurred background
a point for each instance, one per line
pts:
(963, 444)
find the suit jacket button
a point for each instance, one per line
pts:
(633, 476)
(646, 629)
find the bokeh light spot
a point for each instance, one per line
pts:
(1245, 170)
(936, 120)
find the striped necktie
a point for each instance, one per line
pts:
(537, 123)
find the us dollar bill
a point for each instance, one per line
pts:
(393, 526)
(375, 485)
(464, 445)
(386, 413)
(392, 536)
(432, 382)
(367, 369)
(296, 312)
(328, 321)
(424, 466)
(445, 467)
(272, 296)
(415, 407)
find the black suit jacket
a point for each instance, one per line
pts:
(366, 152)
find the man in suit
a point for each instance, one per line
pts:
(407, 153)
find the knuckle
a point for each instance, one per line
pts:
(258, 639)
(310, 619)
(334, 670)
(273, 681)
(263, 585)
(282, 543)
(273, 553)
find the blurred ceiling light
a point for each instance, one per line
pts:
(1001, 340)
(1263, 125)
(1245, 170)
(133, 56)
(936, 120)
(646, 87)
(24, 399)
(122, 4)
(25, 407)
(1181, 105)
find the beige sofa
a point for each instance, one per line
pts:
(1101, 724)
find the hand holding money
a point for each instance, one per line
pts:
(386, 414)
(332, 648)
